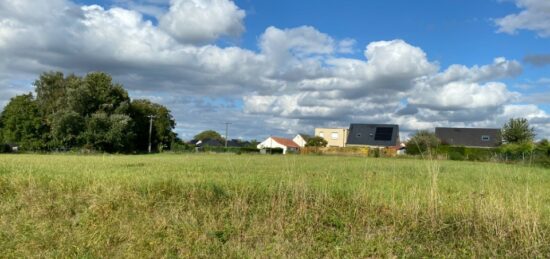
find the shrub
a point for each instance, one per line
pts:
(5, 148)
(454, 155)
(422, 142)
(316, 142)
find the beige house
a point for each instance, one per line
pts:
(336, 137)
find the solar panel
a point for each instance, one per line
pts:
(383, 133)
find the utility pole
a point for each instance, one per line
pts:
(151, 117)
(226, 130)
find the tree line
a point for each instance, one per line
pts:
(84, 113)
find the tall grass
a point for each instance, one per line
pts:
(269, 206)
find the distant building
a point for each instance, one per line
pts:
(237, 143)
(301, 140)
(207, 143)
(335, 137)
(469, 137)
(287, 145)
(373, 135)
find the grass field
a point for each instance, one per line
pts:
(269, 206)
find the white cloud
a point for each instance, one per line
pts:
(297, 79)
(534, 16)
(202, 21)
(460, 95)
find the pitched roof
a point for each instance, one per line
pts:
(469, 137)
(386, 135)
(304, 136)
(286, 142)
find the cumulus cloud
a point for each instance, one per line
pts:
(534, 16)
(296, 80)
(461, 95)
(201, 21)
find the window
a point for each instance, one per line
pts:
(334, 135)
(485, 138)
(321, 134)
(383, 133)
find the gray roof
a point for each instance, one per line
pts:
(384, 135)
(469, 137)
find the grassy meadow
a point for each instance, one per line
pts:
(236, 206)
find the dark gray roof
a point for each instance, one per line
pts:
(385, 135)
(210, 143)
(469, 137)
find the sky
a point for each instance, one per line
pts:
(285, 67)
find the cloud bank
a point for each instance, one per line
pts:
(297, 79)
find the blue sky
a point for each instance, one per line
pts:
(283, 67)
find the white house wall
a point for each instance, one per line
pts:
(270, 143)
(299, 140)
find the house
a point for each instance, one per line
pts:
(373, 135)
(301, 139)
(335, 137)
(207, 143)
(237, 143)
(287, 145)
(469, 137)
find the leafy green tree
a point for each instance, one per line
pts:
(107, 96)
(22, 123)
(110, 133)
(67, 129)
(209, 134)
(517, 130)
(316, 142)
(163, 124)
(71, 111)
(543, 147)
(421, 142)
(51, 90)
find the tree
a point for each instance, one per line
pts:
(72, 111)
(422, 141)
(67, 128)
(163, 124)
(517, 130)
(543, 147)
(51, 90)
(209, 134)
(22, 123)
(110, 133)
(316, 142)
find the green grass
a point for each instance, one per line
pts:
(269, 206)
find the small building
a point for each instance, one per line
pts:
(207, 143)
(287, 145)
(373, 135)
(301, 140)
(237, 143)
(335, 137)
(469, 137)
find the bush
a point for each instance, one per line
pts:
(5, 148)
(423, 142)
(453, 155)
(316, 142)
(180, 147)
